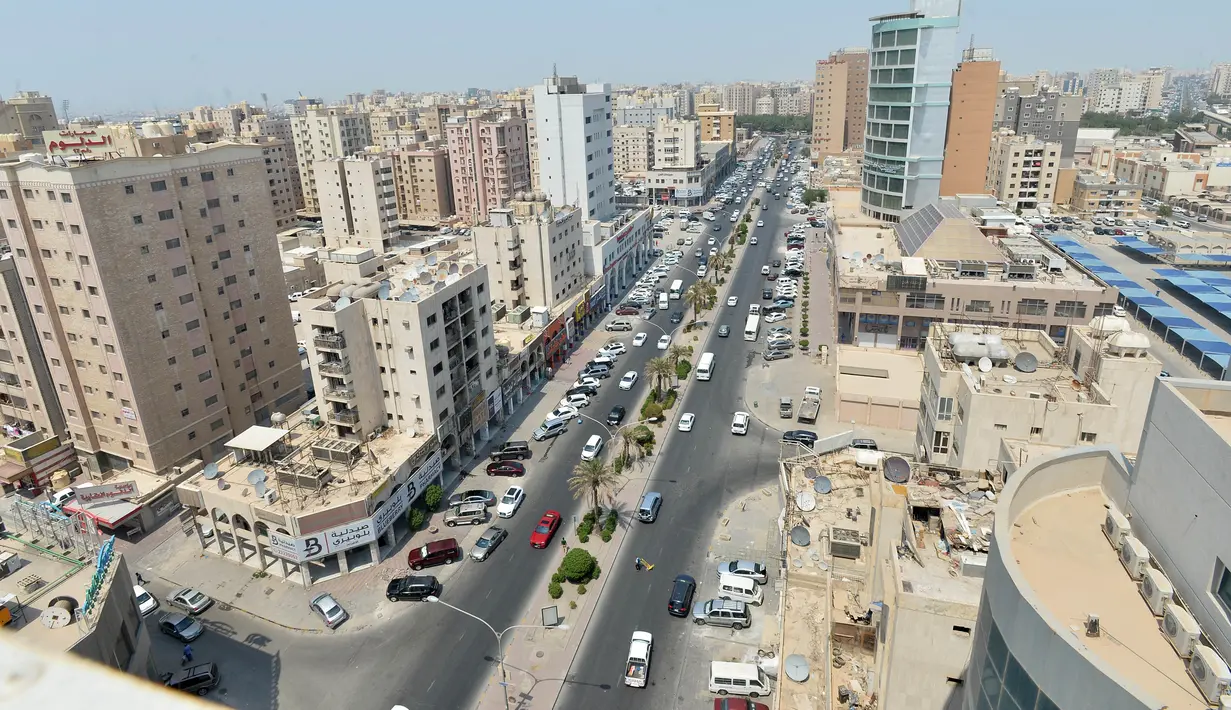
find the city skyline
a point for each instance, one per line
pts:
(223, 61)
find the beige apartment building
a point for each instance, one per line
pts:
(1098, 196)
(839, 102)
(280, 128)
(1093, 389)
(394, 128)
(156, 288)
(972, 113)
(358, 203)
(424, 184)
(717, 126)
(957, 262)
(433, 119)
(13, 145)
(322, 133)
(28, 399)
(1023, 171)
(533, 253)
(741, 97)
(28, 114)
(633, 149)
(677, 144)
(489, 160)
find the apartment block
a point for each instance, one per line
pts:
(1098, 196)
(256, 129)
(424, 184)
(677, 144)
(645, 116)
(1023, 171)
(1050, 115)
(1165, 174)
(765, 106)
(28, 399)
(972, 109)
(156, 289)
(28, 114)
(533, 253)
(433, 119)
(14, 144)
(394, 128)
(798, 103)
(324, 133)
(741, 97)
(1220, 80)
(717, 126)
(573, 127)
(839, 102)
(489, 161)
(634, 149)
(358, 202)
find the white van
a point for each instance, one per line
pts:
(741, 589)
(738, 679)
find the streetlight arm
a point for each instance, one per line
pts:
(495, 633)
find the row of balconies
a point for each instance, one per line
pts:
(345, 416)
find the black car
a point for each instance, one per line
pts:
(414, 588)
(616, 415)
(767, 294)
(677, 316)
(771, 355)
(682, 590)
(195, 679)
(800, 436)
(587, 390)
(776, 263)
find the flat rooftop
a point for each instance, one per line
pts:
(1199, 242)
(1059, 544)
(60, 576)
(904, 370)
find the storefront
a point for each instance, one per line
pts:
(555, 341)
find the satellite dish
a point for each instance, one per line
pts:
(383, 293)
(897, 469)
(857, 256)
(796, 668)
(256, 476)
(211, 471)
(341, 303)
(431, 259)
(223, 485)
(1010, 380)
(810, 473)
(1026, 362)
(823, 485)
(259, 487)
(985, 364)
(806, 501)
(800, 536)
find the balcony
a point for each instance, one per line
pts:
(453, 334)
(334, 368)
(979, 307)
(340, 394)
(8, 378)
(330, 341)
(345, 416)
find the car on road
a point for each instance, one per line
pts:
(506, 468)
(198, 679)
(180, 626)
(576, 401)
(639, 339)
(412, 588)
(800, 436)
(767, 294)
(545, 530)
(775, 317)
(724, 331)
(475, 495)
(146, 603)
(189, 600)
(664, 342)
(616, 415)
(328, 608)
(592, 448)
(760, 223)
(613, 349)
(625, 310)
(729, 703)
(487, 543)
(677, 317)
(628, 380)
(436, 552)
(776, 263)
(772, 355)
(733, 300)
(510, 501)
(712, 241)
(752, 240)
(765, 270)
(682, 591)
(739, 423)
(744, 568)
(686, 421)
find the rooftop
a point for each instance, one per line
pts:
(48, 576)
(903, 372)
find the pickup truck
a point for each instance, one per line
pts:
(810, 406)
(638, 667)
(786, 408)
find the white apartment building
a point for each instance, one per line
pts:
(533, 254)
(358, 203)
(322, 133)
(1220, 80)
(1022, 170)
(765, 106)
(278, 128)
(677, 144)
(634, 150)
(573, 129)
(741, 97)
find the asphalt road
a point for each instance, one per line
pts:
(443, 657)
(698, 474)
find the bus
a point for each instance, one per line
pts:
(677, 288)
(705, 368)
(752, 328)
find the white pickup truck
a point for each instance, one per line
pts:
(638, 667)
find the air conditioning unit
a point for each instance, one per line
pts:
(1134, 556)
(1116, 527)
(271, 496)
(1181, 629)
(1156, 589)
(1209, 672)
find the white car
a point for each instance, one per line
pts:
(739, 424)
(752, 241)
(686, 421)
(713, 251)
(575, 400)
(510, 501)
(765, 270)
(734, 218)
(733, 301)
(760, 223)
(562, 413)
(639, 339)
(712, 241)
(593, 446)
(664, 342)
(775, 317)
(146, 602)
(628, 380)
(616, 348)
(588, 382)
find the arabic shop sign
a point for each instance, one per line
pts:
(89, 495)
(82, 141)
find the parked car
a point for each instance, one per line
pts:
(487, 543)
(682, 591)
(414, 588)
(189, 600)
(476, 495)
(545, 530)
(775, 317)
(800, 436)
(722, 612)
(146, 603)
(744, 568)
(772, 355)
(512, 450)
(510, 501)
(328, 608)
(505, 468)
(616, 415)
(180, 626)
(436, 552)
(198, 679)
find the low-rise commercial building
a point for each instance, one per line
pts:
(1022, 171)
(1097, 196)
(691, 187)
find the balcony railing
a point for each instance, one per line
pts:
(337, 368)
(334, 341)
(345, 416)
(340, 394)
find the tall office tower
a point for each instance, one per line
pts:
(573, 125)
(972, 113)
(28, 114)
(913, 54)
(358, 202)
(489, 160)
(1050, 115)
(157, 290)
(839, 102)
(322, 133)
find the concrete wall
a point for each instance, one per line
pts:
(884, 412)
(121, 637)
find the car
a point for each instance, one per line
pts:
(776, 263)
(198, 679)
(587, 382)
(712, 241)
(587, 390)
(628, 380)
(865, 444)
(592, 448)
(780, 330)
(686, 421)
(639, 339)
(506, 468)
(146, 603)
(713, 251)
(754, 309)
(739, 423)
(562, 413)
(783, 303)
(614, 348)
(765, 270)
(474, 495)
(545, 530)
(487, 543)
(752, 241)
(616, 415)
(699, 253)
(625, 310)
(760, 223)
(767, 294)
(180, 626)
(664, 342)
(677, 317)
(510, 501)
(744, 568)
(328, 608)
(682, 591)
(576, 401)
(800, 436)
(774, 354)
(436, 552)
(189, 600)
(724, 331)
(412, 588)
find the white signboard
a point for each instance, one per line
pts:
(91, 495)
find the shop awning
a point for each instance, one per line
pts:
(11, 472)
(111, 514)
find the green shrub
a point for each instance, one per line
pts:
(416, 517)
(613, 518)
(669, 401)
(557, 578)
(595, 573)
(804, 303)
(572, 604)
(581, 589)
(577, 565)
(651, 409)
(605, 536)
(682, 368)
(432, 496)
(803, 331)
(803, 343)
(643, 435)
(555, 591)
(583, 538)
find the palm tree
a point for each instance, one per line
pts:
(632, 447)
(593, 477)
(660, 370)
(675, 353)
(718, 262)
(697, 298)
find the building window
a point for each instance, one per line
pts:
(207, 176)
(940, 442)
(164, 215)
(129, 189)
(137, 219)
(179, 271)
(1088, 437)
(158, 186)
(173, 243)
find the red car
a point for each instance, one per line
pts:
(545, 530)
(505, 468)
(738, 704)
(627, 311)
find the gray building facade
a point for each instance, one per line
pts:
(643, 115)
(1049, 115)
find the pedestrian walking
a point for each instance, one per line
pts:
(637, 564)
(187, 655)
(141, 580)
(564, 544)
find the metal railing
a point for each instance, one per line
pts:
(335, 341)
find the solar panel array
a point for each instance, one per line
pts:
(914, 231)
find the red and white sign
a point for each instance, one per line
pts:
(89, 495)
(80, 141)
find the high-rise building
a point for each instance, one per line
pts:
(28, 114)
(972, 112)
(1220, 80)
(424, 184)
(839, 102)
(277, 127)
(677, 144)
(489, 161)
(573, 125)
(1022, 171)
(634, 149)
(28, 398)
(1050, 115)
(323, 133)
(157, 289)
(908, 107)
(533, 253)
(358, 202)
(741, 97)
(717, 126)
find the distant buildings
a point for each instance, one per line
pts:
(28, 114)
(1117, 91)
(972, 102)
(1220, 80)
(839, 102)
(323, 133)
(489, 160)
(741, 97)
(1048, 114)
(634, 149)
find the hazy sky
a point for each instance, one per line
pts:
(138, 55)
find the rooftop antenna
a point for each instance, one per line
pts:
(265, 99)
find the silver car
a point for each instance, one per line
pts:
(330, 611)
(744, 568)
(488, 542)
(189, 600)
